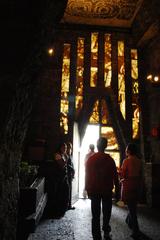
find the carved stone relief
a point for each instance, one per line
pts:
(105, 10)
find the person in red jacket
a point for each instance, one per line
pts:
(101, 176)
(131, 181)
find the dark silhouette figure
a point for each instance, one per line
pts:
(89, 154)
(70, 173)
(101, 176)
(131, 180)
(55, 173)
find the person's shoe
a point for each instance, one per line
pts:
(107, 236)
(128, 222)
(71, 208)
(136, 235)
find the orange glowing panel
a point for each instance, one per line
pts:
(64, 106)
(94, 59)
(79, 75)
(121, 78)
(94, 118)
(135, 92)
(104, 112)
(107, 60)
(134, 70)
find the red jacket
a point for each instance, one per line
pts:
(131, 174)
(101, 174)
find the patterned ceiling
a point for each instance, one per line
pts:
(112, 13)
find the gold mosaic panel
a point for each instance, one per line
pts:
(79, 75)
(135, 91)
(107, 60)
(121, 78)
(94, 118)
(64, 106)
(94, 59)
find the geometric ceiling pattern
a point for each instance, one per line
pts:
(114, 13)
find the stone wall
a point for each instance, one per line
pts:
(25, 33)
(151, 59)
(146, 23)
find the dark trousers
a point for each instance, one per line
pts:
(132, 216)
(96, 202)
(70, 193)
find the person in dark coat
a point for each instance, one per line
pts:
(62, 193)
(57, 188)
(70, 173)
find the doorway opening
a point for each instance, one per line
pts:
(91, 136)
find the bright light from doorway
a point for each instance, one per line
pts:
(91, 136)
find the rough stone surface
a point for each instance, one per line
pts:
(76, 224)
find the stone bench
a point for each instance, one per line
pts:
(32, 202)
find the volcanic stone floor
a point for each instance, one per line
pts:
(76, 224)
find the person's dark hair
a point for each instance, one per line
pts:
(132, 149)
(91, 147)
(58, 149)
(102, 144)
(69, 144)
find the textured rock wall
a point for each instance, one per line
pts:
(151, 55)
(29, 26)
(146, 22)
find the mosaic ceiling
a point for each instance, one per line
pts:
(114, 13)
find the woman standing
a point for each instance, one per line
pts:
(70, 173)
(62, 191)
(131, 180)
(56, 183)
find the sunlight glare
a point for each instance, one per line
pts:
(91, 136)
